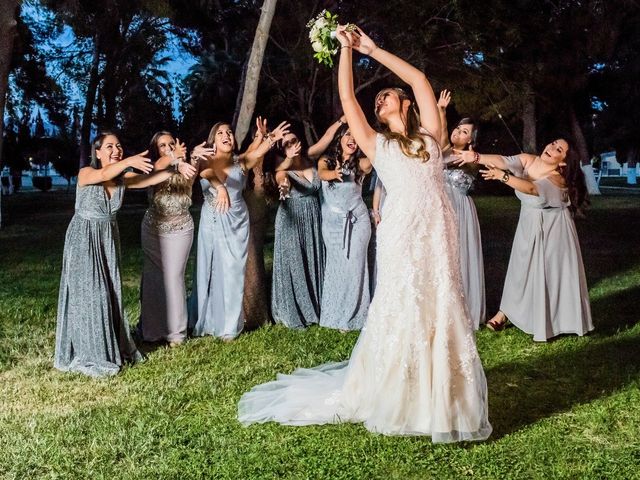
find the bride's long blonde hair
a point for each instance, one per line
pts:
(414, 136)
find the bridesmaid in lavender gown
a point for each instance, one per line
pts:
(223, 235)
(545, 291)
(92, 334)
(458, 182)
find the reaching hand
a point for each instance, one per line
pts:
(222, 199)
(362, 42)
(338, 172)
(344, 35)
(492, 173)
(283, 188)
(445, 98)
(261, 125)
(140, 162)
(465, 156)
(180, 150)
(186, 169)
(294, 150)
(201, 152)
(280, 131)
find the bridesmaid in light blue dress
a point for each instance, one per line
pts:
(92, 334)
(346, 230)
(223, 235)
(458, 183)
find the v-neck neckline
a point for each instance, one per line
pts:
(303, 176)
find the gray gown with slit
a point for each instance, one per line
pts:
(346, 230)
(298, 255)
(545, 290)
(215, 306)
(92, 334)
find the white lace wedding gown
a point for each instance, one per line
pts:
(415, 369)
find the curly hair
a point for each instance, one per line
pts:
(335, 152)
(574, 177)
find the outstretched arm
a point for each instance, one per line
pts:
(422, 91)
(469, 156)
(93, 176)
(321, 145)
(360, 129)
(250, 158)
(443, 103)
(520, 184)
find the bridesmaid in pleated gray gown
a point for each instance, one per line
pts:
(223, 235)
(458, 183)
(545, 291)
(346, 230)
(92, 334)
(298, 252)
(167, 235)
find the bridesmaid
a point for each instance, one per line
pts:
(223, 235)
(167, 235)
(346, 230)
(545, 290)
(458, 182)
(379, 196)
(92, 334)
(298, 252)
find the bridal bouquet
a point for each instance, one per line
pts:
(322, 34)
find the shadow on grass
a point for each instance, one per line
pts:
(524, 392)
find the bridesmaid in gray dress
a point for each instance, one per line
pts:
(298, 252)
(223, 235)
(346, 230)
(167, 235)
(92, 334)
(545, 292)
(458, 182)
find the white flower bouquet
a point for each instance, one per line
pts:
(322, 34)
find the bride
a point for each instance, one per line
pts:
(415, 369)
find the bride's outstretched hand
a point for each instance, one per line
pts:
(344, 36)
(362, 42)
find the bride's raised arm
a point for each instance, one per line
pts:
(364, 134)
(417, 80)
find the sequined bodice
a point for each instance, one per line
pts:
(169, 204)
(458, 179)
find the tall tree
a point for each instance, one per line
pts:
(8, 22)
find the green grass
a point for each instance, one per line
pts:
(566, 409)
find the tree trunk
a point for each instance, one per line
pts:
(529, 141)
(250, 89)
(579, 138)
(8, 22)
(255, 302)
(87, 114)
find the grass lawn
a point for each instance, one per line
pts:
(566, 409)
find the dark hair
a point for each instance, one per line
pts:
(474, 133)
(211, 139)
(414, 134)
(335, 155)
(574, 177)
(154, 151)
(96, 144)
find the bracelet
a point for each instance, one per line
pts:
(476, 157)
(344, 46)
(505, 177)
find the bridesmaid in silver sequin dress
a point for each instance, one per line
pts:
(545, 290)
(298, 252)
(92, 334)
(346, 230)
(223, 235)
(167, 235)
(458, 183)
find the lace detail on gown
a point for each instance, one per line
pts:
(415, 369)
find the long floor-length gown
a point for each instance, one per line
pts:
(458, 182)
(298, 255)
(346, 230)
(545, 290)
(415, 369)
(373, 264)
(167, 235)
(223, 239)
(92, 334)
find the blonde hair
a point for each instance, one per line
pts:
(413, 136)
